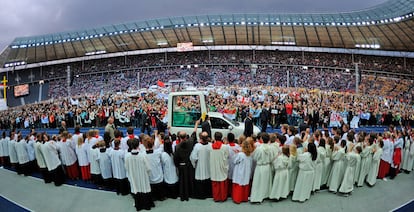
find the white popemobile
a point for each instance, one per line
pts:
(185, 108)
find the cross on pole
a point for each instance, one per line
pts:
(4, 81)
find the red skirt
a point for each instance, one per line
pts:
(240, 193)
(397, 157)
(72, 171)
(384, 169)
(219, 190)
(86, 172)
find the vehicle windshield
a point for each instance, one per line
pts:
(235, 123)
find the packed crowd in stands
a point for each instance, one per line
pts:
(341, 61)
(251, 168)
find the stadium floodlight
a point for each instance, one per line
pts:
(243, 23)
(347, 70)
(188, 66)
(283, 43)
(201, 24)
(208, 41)
(196, 66)
(162, 43)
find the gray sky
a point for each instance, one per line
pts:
(19, 18)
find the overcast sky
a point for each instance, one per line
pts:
(19, 18)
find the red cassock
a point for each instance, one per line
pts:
(219, 190)
(384, 169)
(86, 172)
(397, 157)
(240, 193)
(72, 171)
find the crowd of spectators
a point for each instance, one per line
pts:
(342, 61)
(99, 86)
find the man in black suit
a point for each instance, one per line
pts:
(264, 117)
(206, 126)
(248, 125)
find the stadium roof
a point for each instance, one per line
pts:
(388, 26)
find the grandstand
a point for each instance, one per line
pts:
(378, 39)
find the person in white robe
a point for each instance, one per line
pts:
(406, 155)
(376, 158)
(347, 185)
(234, 148)
(12, 150)
(138, 172)
(366, 159)
(68, 156)
(280, 187)
(200, 159)
(156, 174)
(117, 155)
(93, 155)
(40, 159)
(81, 151)
(410, 158)
(386, 157)
(327, 164)
(304, 181)
(105, 164)
(54, 165)
(360, 143)
(262, 177)
(295, 150)
(405, 148)
(22, 156)
(336, 175)
(5, 149)
(242, 172)
(219, 168)
(320, 161)
(169, 169)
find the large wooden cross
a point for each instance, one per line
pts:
(4, 81)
